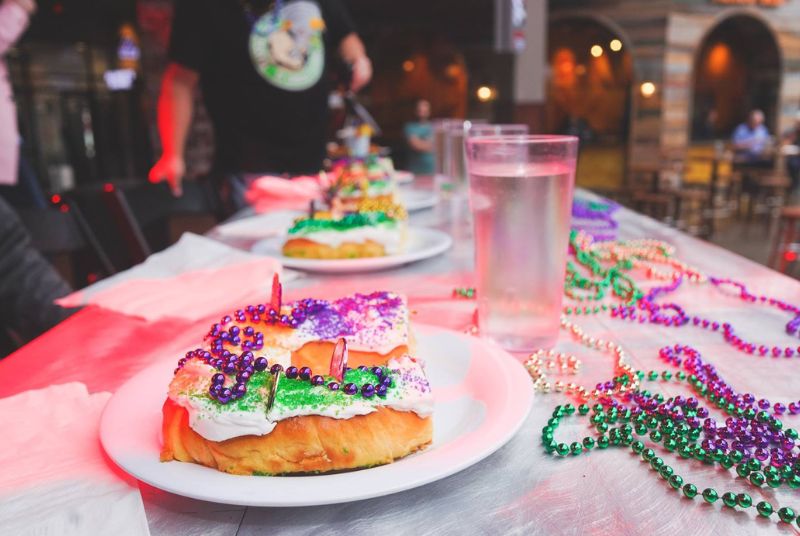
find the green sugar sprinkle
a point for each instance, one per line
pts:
(349, 221)
(374, 186)
(294, 393)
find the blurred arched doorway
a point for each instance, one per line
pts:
(737, 69)
(588, 95)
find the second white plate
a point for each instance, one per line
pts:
(422, 244)
(403, 177)
(416, 199)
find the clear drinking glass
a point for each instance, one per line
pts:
(497, 130)
(453, 159)
(440, 153)
(521, 197)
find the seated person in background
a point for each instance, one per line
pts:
(751, 140)
(28, 283)
(419, 136)
(792, 138)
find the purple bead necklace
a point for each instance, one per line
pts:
(598, 218)
(673, 315)
(240, 368)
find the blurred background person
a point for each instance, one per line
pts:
(14, 18)
(419, 136)
(264, 71)
(751, 140)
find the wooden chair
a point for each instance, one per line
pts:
(694, 210)
(710, 197)
(770, 193)
(658, 205)
(110, 217)
(644, 176)
(785, 238)
(62, 231)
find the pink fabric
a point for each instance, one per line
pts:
(13, 21)
(190, 295)
(270, 193)
(98, 347)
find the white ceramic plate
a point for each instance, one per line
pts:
(403, 177)
(482, 396)
(416, 199)
(422, 244)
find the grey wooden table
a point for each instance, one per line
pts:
(522, 490)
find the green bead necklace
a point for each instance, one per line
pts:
(618, 427)
(578, 286)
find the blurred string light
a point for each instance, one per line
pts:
(615, 45)
(485, 93)
(647, 89)
(453, 70)
(596, 51)
(408, 66)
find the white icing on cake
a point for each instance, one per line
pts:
(189, 389)
(391, 235)
(213, 421)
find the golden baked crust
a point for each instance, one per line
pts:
(307, 444)
(305, 248)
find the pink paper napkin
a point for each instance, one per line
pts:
(55, 478)
(191, 295)
(190, 280)
(277, 193)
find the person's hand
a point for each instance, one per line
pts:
(362, 73)
(170, 168)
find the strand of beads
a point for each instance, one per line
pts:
(467, 293)
(221, 335)
(613, 277)
(751, 430)
(676, 423)
(536, 365)
(646, 310)
(598, 218)
(550, 360)
(792, 326)
(621, 286)
(242, 368)
(643, 253)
